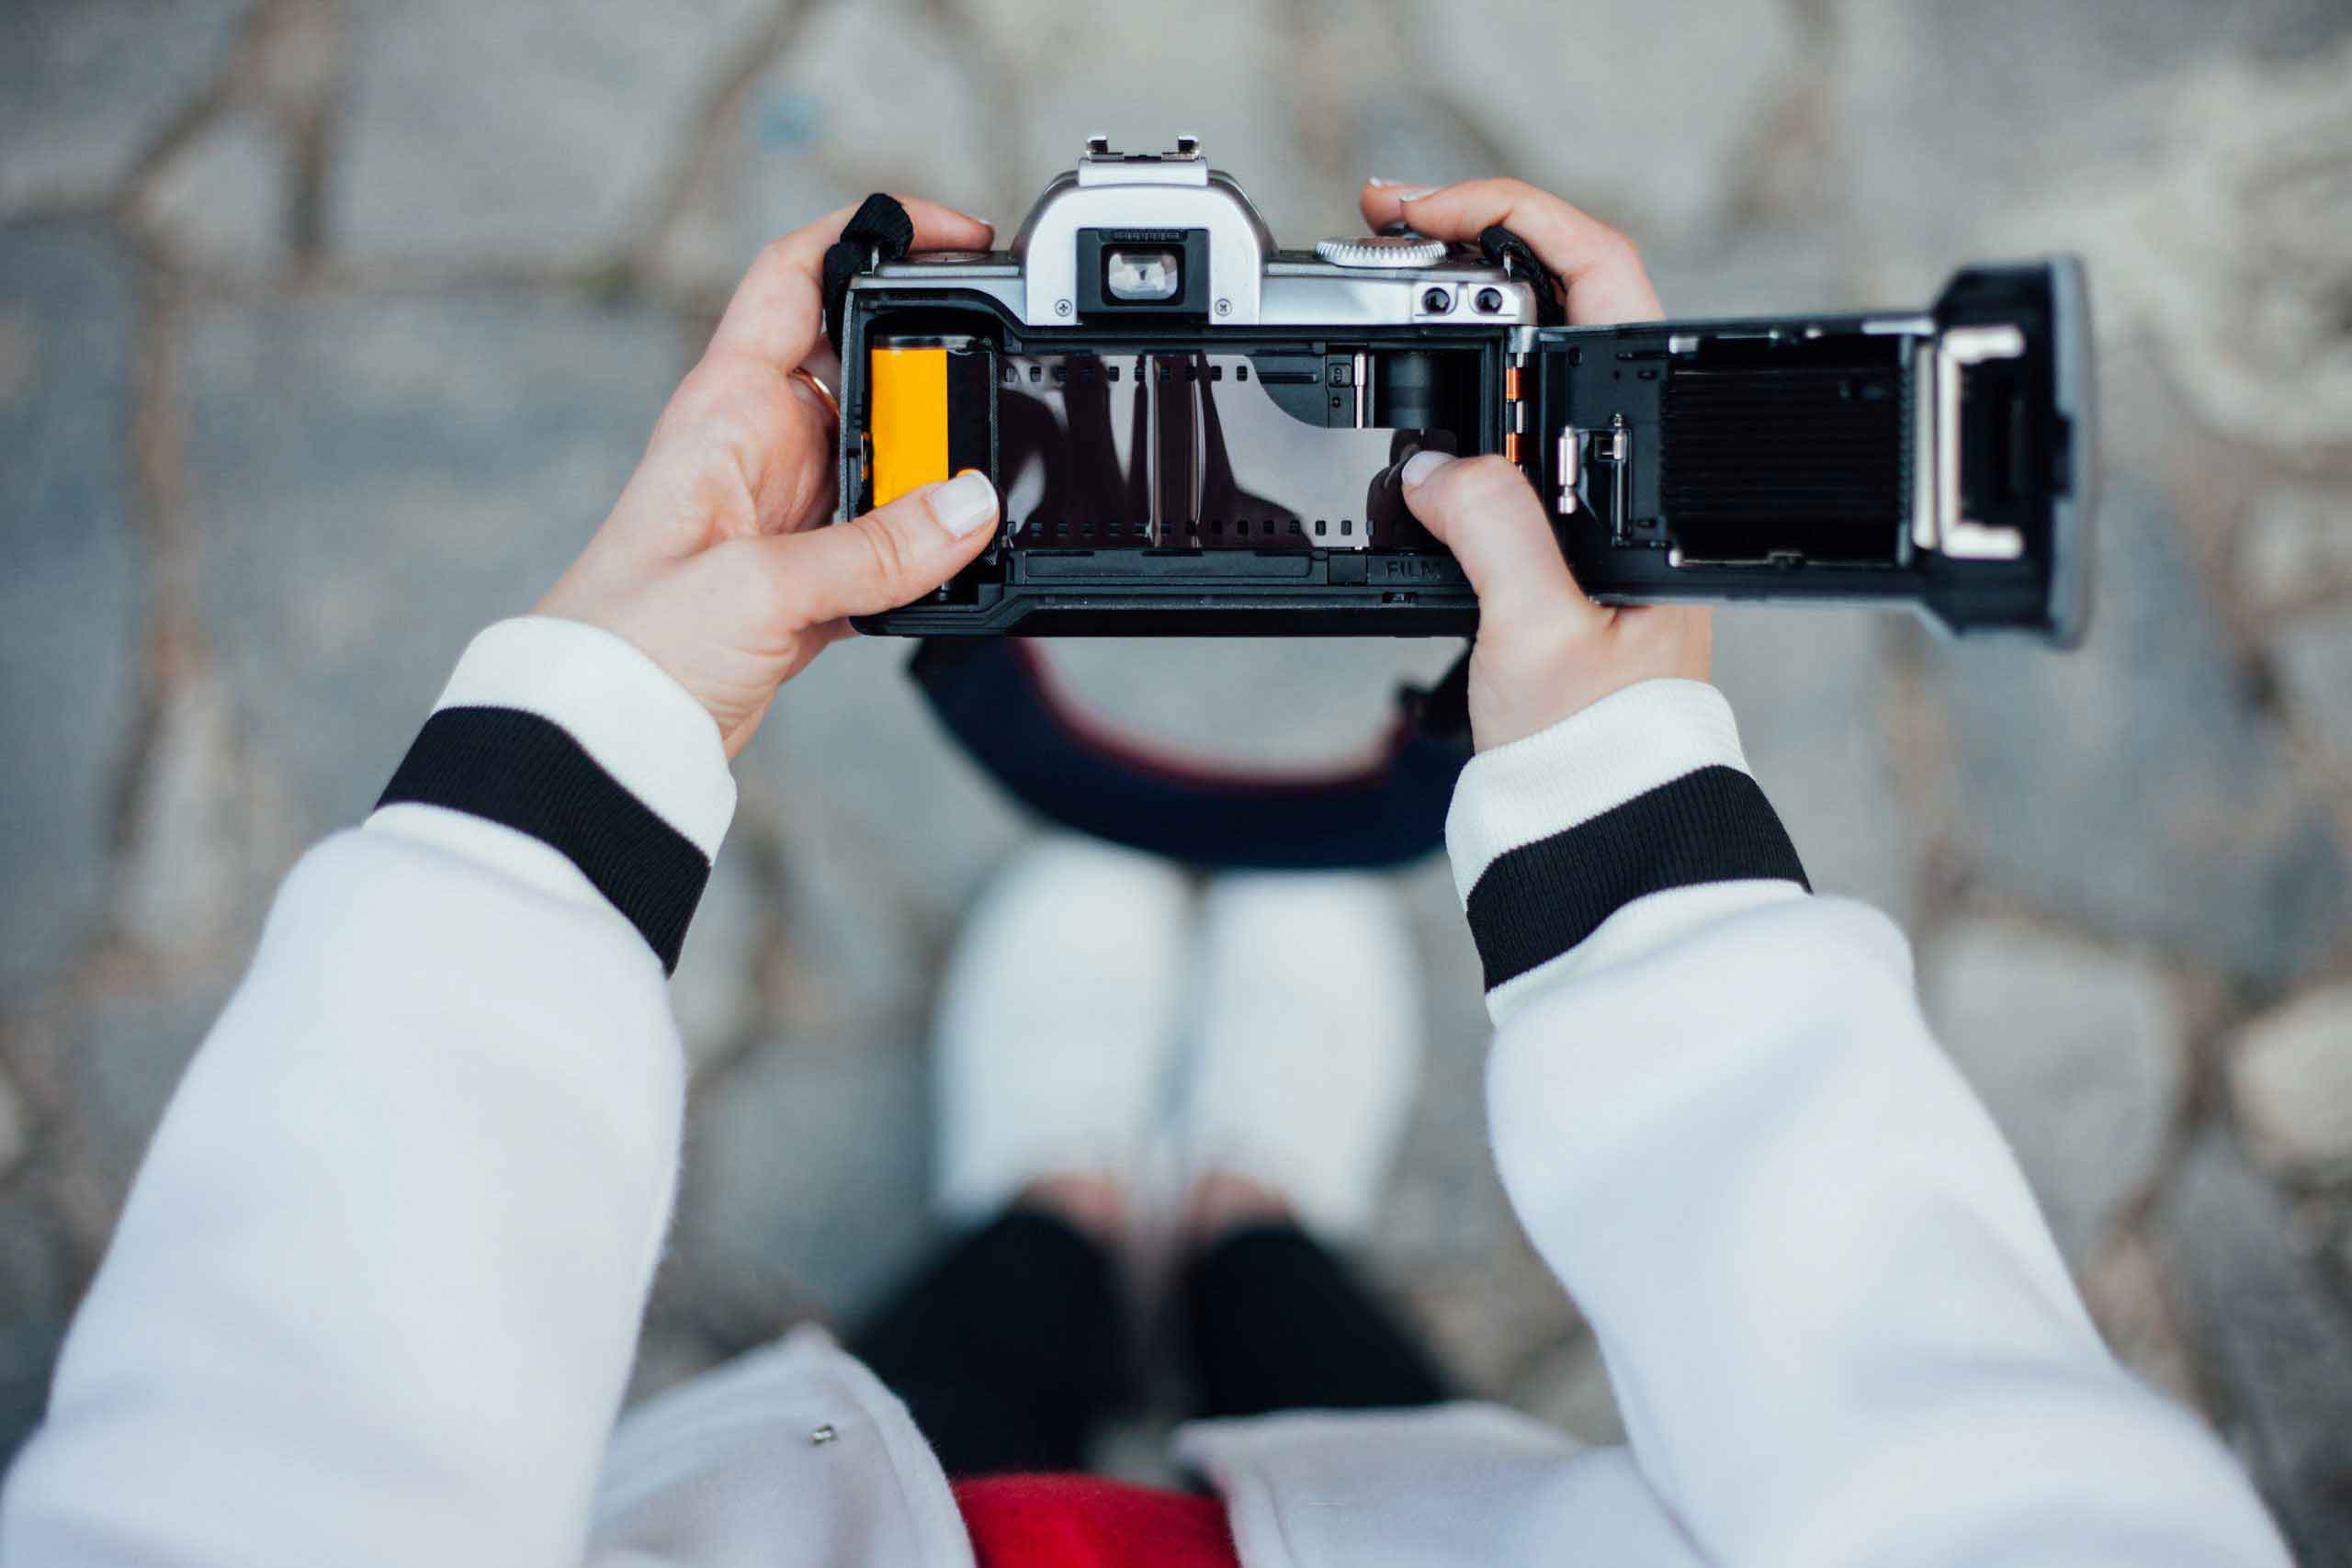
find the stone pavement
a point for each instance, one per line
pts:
(327, 332)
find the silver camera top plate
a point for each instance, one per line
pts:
(1250, 282)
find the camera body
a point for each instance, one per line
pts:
(1195, 431)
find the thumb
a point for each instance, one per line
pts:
(890, 556)
(1484, 510)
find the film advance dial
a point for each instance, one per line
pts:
(1382, 251)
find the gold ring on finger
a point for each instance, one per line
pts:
(824, 393)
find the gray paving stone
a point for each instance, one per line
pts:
(1283, 103)
(762, 184)
(1492, 1318)
(70, 600)
(27, 1360)
(2315, 654)
(1302, 106)
(1445, 1240)
(222, 200)
(514, 135)
(804, 1187)
(1571, 94)
(2340, 1241)
(125, 1058)
(355, 530)
(1221, 70)
(88, 85)
(1444, 1220)
(2078, 1053)
(35, 1300)
(295, 58)
(2290, 1078)
(2275, 1339)
(2125, 1285)
(2135, 782)
(1810, 689)
(667, 1355)
(884, 834)
(1571, 1391)
(862, 934)
(184, 886)
(813, 134)
(927, 130)
(1956, 115)
(2293, 545)
(15, 1127)
(36, 1284)
(714, 993)
(2223, 248)
(2188, 151)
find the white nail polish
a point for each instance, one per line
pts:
(1420, 467)
(965, 503)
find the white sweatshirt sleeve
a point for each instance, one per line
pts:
(374, 1295)
(1835, 1322)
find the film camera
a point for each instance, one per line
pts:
(1197, 432)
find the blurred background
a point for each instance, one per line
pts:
(328, 333)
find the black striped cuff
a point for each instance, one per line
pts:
(528, 774)
(1536, 901)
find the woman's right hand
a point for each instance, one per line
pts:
(1543, 652)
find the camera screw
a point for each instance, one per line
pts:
(1224, 307)
(1061, 306)
(1490, 300)
(1438, 302)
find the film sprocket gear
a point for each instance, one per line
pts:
(1196, 432)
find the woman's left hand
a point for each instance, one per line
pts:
(713, 562)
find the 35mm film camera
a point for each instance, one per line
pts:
(1196, 432)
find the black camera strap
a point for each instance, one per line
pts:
(1506, 250)
(995, 698)
(879, 229)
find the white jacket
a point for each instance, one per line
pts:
(375, 1294)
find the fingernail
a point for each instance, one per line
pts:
(1400, 190)
(1420, 467)
(965, 503)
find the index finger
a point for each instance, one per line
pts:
(1597, 265)
(779, 309)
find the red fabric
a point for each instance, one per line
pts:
(1084, 1521)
